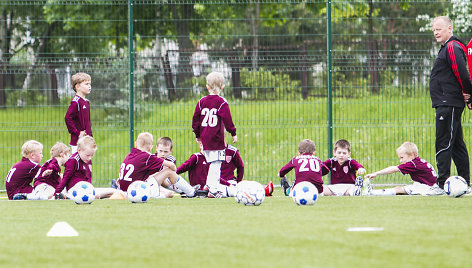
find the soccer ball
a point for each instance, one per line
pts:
(138, 192)
(455, 186)
(304, 194)
(82, 193)
(249, 193)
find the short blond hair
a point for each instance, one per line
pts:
(166, 141)
(79, 78)
(306, 147)
(58, 149)
(31, 146)
(215, 82)
(144, 139)
(87, 142)
(408, 148)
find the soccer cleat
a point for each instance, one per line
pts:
(285, 185)
(269, 189)
(216, 194)
(197, 190)
(113, 184)
(59, 196)
(19, 197)
(469, 190)
(358, 186)
(367, 187)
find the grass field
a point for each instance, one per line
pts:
(418, 232)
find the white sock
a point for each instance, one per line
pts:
(154, 186)
(384, 192)
(213, 178)
(184, 186)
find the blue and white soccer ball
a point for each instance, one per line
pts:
(82, 193)
(304, 194)
(455, 186)
(138, 192)
(249, 193)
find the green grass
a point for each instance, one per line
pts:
(418, 232)
(268, 131)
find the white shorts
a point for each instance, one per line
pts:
(339, 189)
(216, 155)
(42, 192)
(418, 188)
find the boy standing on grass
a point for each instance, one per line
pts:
(49, 175)
(421, 172)
(211, 117)
(79, 168)
(20, 176)
(307, 167)
(141, 165)
(78, 115)
(343, 172)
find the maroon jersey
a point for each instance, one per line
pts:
(209, 121)
(138, 166)
(75, 171)
(345, 173)
(20, 176)
(197, 168)
(78, 119)
(52, 179)
(307, 168)
(419, 170)
(232, 162)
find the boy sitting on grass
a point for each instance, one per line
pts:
(343, 172)
(307, 167)
(421, 172)
(20, 176)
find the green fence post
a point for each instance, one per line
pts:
(131, 75)
(329, 80)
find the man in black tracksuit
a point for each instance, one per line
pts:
(449, 86)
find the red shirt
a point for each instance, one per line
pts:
(197, 168)
(138, 166)
(20, 176)
(232, 162)
(75, 171)
(419, 170)
(345, 173)
(307, 168)
(211, 117)
(78, 118)
(52, 179)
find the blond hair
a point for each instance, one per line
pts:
(31, 146)
(144, 140)
(58, 149)
(344, 144)
(444, 19)
(215, 82)
(87, 141)
(306, 147)
(166, 141)
(408, 148)
(79, 78)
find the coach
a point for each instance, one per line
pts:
(449, 85)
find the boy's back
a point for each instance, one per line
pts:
(420, 170)
(307, 167)
(20, 177)
(138, 165)
(211, 117)
(197, 168)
